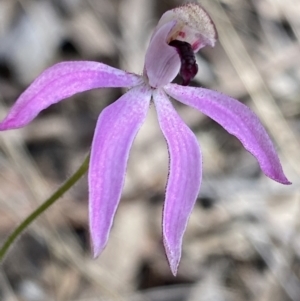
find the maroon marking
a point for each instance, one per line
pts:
(181, 34)
(189, 67)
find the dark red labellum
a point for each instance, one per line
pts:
(189, 67)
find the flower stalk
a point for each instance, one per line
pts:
(44, 206)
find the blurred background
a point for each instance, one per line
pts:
(243, 239)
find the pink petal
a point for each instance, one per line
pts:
(61, 81)
(238, 120)
(116, 128)
(162, 62)
(184, 176)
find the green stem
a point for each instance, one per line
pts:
(54, 197)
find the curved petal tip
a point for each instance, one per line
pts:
(280, 178)
(173, 257)
(96, 249)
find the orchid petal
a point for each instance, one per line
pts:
(116, 128)
(162, 62)
(61, 81)
(238, 120)
(184, 176)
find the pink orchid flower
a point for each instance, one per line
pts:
(180, 33)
